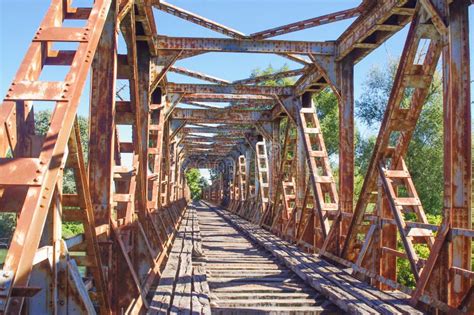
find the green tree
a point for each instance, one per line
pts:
(42, 122)
(425, 152)
(270, 70)
(195, 183)
(203, 183)
(7, 225)
(328, 114)
(427, 142)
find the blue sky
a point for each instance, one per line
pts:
(19, 20)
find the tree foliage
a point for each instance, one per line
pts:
(42, 122)
(328, 114)
(270, 70)
(427, 141)
(7, 225)
(196, 183)
(424, 158)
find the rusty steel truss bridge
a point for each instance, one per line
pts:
(144, 248)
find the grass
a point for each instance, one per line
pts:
(3, 253)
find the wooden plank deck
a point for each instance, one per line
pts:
(222, 264)
(347, 292)
(244, 278)
(182, 288)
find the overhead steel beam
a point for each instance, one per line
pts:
(374, 26)
(224, 98)
(228, 89)
(221, 116)
(309, 23)
(197, 19)
(273, 76)
(197, 75)
(227, 131)
(209, 140)
(244, 46)
(251, 106)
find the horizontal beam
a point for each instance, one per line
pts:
(202, 159)
(218, 142)
(197, 139)
(309, 23)
(197, 75)
(273, 76)
(227, 89)
(244, 46)
(237, 105)
(219, 98)
(221, 116)
(210, 150)
(217, 130)
(211, 146)
(250, 106)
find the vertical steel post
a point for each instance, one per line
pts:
(346, 143)
(304, 101)
(457, 144)
(102, 121)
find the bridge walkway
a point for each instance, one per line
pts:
(222, 264)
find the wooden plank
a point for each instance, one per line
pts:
(201, 292)
(298, 260)
(162, 297)
(182, 294)
(244, 276)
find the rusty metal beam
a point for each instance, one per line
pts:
(197, 75)
(273, 76)
(197, 19)
(227, 89)
(220, 116)
(374, 26)
(244, 46)
(305, 24)
(258, 99)
(227, 131)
